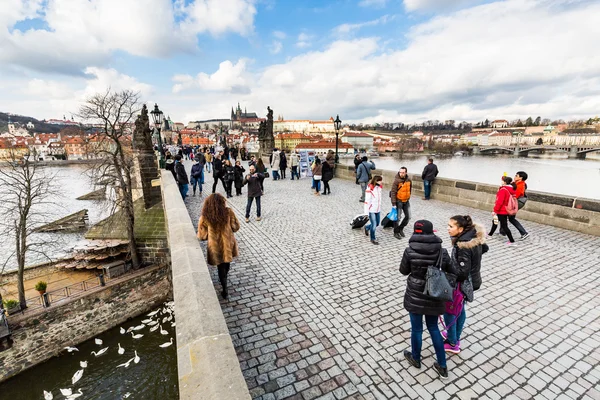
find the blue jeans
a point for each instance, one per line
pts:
(374, 219)
(196, 182)
(275, 175)
(416, 337)
(209, 167)
(295, 172)
(317, 185)
(249, 206)
(183, 189)
(427, 188)
(456, 329)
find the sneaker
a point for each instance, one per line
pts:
(448, 348)
(525, 236)
(509, 243)
(397, 236)
(361, 201)
(401, 233)
(442, 372)
(366, 232)
(258, 218)
(247, 219)
(374, 242)
(411, 360)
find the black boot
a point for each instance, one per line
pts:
(411, 360)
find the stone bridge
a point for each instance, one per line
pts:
(573, 151)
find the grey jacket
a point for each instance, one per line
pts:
(362, 173)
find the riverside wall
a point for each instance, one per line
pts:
(207, 363)
(567, 212)
(44, 333)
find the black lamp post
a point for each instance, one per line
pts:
(158, 116)
(337, 124)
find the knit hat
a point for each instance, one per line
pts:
(424, 227)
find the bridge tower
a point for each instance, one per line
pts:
(476, 150)
(573, 152)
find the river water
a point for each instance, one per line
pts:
(572, 177)
(153, 378)
(70, 182)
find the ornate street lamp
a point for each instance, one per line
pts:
(158, 116)
(337, 124)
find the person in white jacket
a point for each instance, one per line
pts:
(373, 205)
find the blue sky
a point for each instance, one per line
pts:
(368, 60)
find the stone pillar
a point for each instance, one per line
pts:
(476, 150)
(573, 152)
(146, 159)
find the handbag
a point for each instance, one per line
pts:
(436, 284)
(522, 201)
(467, 289)
(455, 306)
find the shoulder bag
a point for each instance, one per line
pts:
(436, 284)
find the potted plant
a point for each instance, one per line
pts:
(41, 287)
(12, 306)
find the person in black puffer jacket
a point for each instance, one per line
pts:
(423, 250)
(469, 245)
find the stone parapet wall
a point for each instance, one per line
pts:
(207, 363)
(44, 333)
(567, 212)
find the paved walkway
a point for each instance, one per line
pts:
(315, 310)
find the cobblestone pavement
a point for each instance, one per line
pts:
(316, 310)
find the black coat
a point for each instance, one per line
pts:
(228, 173)
(282, 161)
(180, 175)
(357, 162)
(466, 255)
(429, 172)
(217, 168)
(327, 172)
(422, 251)
(253, 182)
(239, 176)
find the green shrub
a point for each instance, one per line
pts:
(41, 286)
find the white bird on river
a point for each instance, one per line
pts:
(126, 365)
(75, 395)
(77, 376)
(155, 327)
(153, 313)
(138, 336)
(71, 349)
(48, 395)
(146, 321)
(126, 395)
(121, 350)
(165, 319)
(136, 359)
(172, 324)
(152, 323)
(122, 331)
(167, 344)
(130, 329)
(137, 328)
(100, 352)
(66, 392)
(162, 331)
(98, 341)
(83, 364)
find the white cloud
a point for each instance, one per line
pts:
(438, 5)
(304, 40)
(345, 29)
(372, 3)
(279, 35)
(82, 33)
(229, 78)
(493, 60)
(276, 47)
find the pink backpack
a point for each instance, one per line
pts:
(512, 206)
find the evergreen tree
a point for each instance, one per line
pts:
(538, 120)
(529, 122)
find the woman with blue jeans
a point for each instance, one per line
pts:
(373, 205)
(423, 250)
(468, 240)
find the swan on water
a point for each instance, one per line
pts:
(126, 395)
(129, 329)
(66, 392)
(138, 336)
(146, 321)
(121, 350)
(172, 324)
(136, 359)
(100, 352)
(152, 323)
(122, 331)
(83, 364)
(75, 395)
(98, 341)
(126, 365)
(167, 344)
(153, 313)
(162, 331)
(137, 328)
(77, 376)
(165, 319)
(71, 349)
(155, 327)
(48, 395)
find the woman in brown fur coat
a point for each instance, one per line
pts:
(217, 224)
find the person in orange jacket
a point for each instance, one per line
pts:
(521, 195)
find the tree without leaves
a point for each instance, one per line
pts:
(27, 190)
(115, 112)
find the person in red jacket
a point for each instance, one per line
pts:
(504, 193)
(520, 194)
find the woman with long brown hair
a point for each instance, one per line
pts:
(217, 224)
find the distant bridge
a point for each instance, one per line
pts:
(572, 151)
